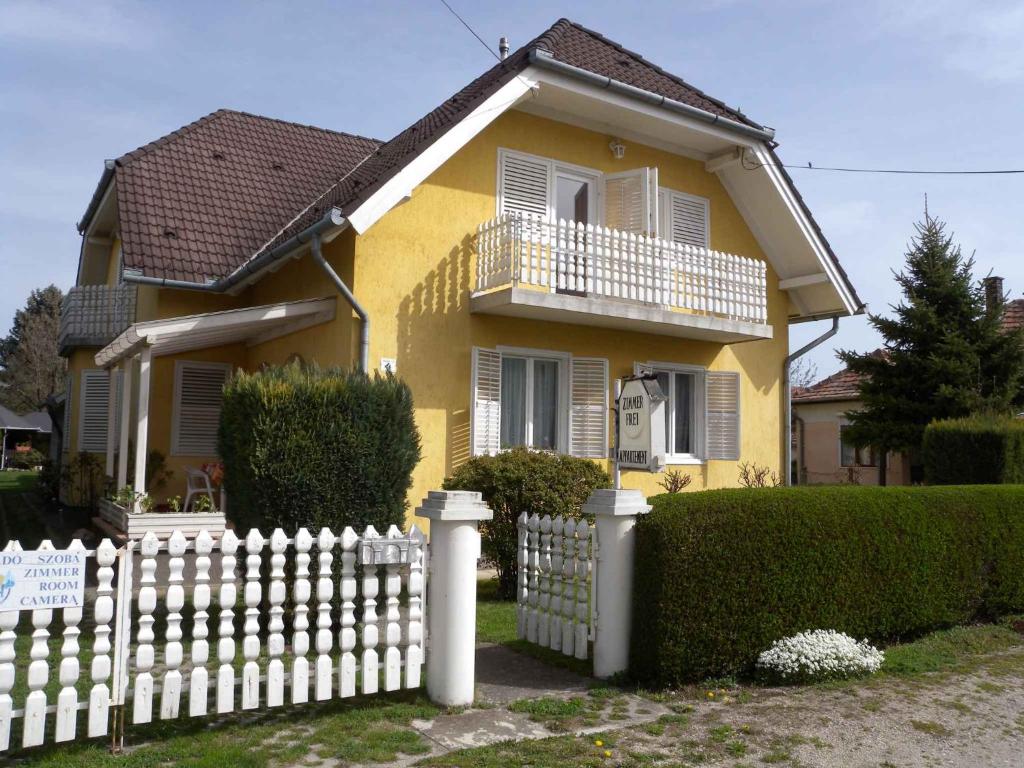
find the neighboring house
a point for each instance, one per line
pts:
(821, 455)
(20, 434)
(573, 215)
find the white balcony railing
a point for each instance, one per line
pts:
(516, 250)
(93, 315)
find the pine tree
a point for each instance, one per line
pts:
(943, 356)
(30, 367)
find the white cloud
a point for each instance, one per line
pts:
(100, 22)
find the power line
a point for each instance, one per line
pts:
(471, 30)
(812, 167)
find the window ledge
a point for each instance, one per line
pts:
(684, 461)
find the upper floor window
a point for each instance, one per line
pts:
(630, 201)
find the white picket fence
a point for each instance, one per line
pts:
(555, 601)
(277, 665)
(517, 249)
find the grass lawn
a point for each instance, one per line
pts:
(18, 482)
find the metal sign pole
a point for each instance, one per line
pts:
(616, 474)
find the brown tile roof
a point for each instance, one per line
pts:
(191, 216)
(197, 203)
(844, 385)
(569, 43)
(1013, 315)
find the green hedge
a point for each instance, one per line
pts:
(720, 575)
(977, 449)
(310, 447)
(521, 480)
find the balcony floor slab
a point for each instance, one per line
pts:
(613, 313)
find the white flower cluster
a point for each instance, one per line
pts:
(821, 654)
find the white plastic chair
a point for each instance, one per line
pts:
(198, 482)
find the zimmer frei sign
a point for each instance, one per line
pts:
(41, 579)
(641, 425)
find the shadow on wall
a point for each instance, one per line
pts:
(434, 346)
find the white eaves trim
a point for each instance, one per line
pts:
(400, 186)
(808, 230)
(252, 325)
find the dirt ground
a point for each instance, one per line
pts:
(967, 719)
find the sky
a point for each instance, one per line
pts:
(925, 85)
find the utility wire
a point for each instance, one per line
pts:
(812, 167)
(471, 30)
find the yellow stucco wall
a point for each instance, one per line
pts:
(414, 271)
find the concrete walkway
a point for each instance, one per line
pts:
(505, 676)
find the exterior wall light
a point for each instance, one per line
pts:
(618, 149)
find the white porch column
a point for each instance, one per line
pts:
(142, 424)
(111, 420)
(451, 593)
(126, 418)
(615, 513)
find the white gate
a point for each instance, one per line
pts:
(161, 591)
(556, 595)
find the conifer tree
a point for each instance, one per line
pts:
(943, 355)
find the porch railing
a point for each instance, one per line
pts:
(93, 315)
(521, 250)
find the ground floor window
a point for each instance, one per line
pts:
(530, 402)
(852, 456)
(684, 410)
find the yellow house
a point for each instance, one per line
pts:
(572, 216)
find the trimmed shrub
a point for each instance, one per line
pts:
(976, 449)
(314, 448)
(721, 575)
(521, 480)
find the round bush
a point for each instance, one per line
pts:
(822, 654)
(521, 480)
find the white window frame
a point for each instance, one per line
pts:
(176, 402)
(699, 373)
(665, 213)
(583, 173)
(562, 407)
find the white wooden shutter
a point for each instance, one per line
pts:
(92, 411)
(524, 184)
(723, 415)
(630, 200)
(686, 219)
(588, 416)
(198, 389)
(486, 415)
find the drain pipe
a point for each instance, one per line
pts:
(786, 388)
(364, 330)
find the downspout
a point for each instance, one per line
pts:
(364, 330)
(787, 393)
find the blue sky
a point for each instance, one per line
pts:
(912, 84)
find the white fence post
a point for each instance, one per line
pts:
(451, 593)
(615, 513)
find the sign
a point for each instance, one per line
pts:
(388, 365)
(41, 579)
(640, 442)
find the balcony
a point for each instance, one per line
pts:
(93, 315)
(563, 271)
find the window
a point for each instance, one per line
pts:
(197, 400)
(852, 456)
(540, 399)
(93, 413)
(701, 413)
(684, 417)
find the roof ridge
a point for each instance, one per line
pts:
(675, 78)
(188, 128)
(228, 110)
